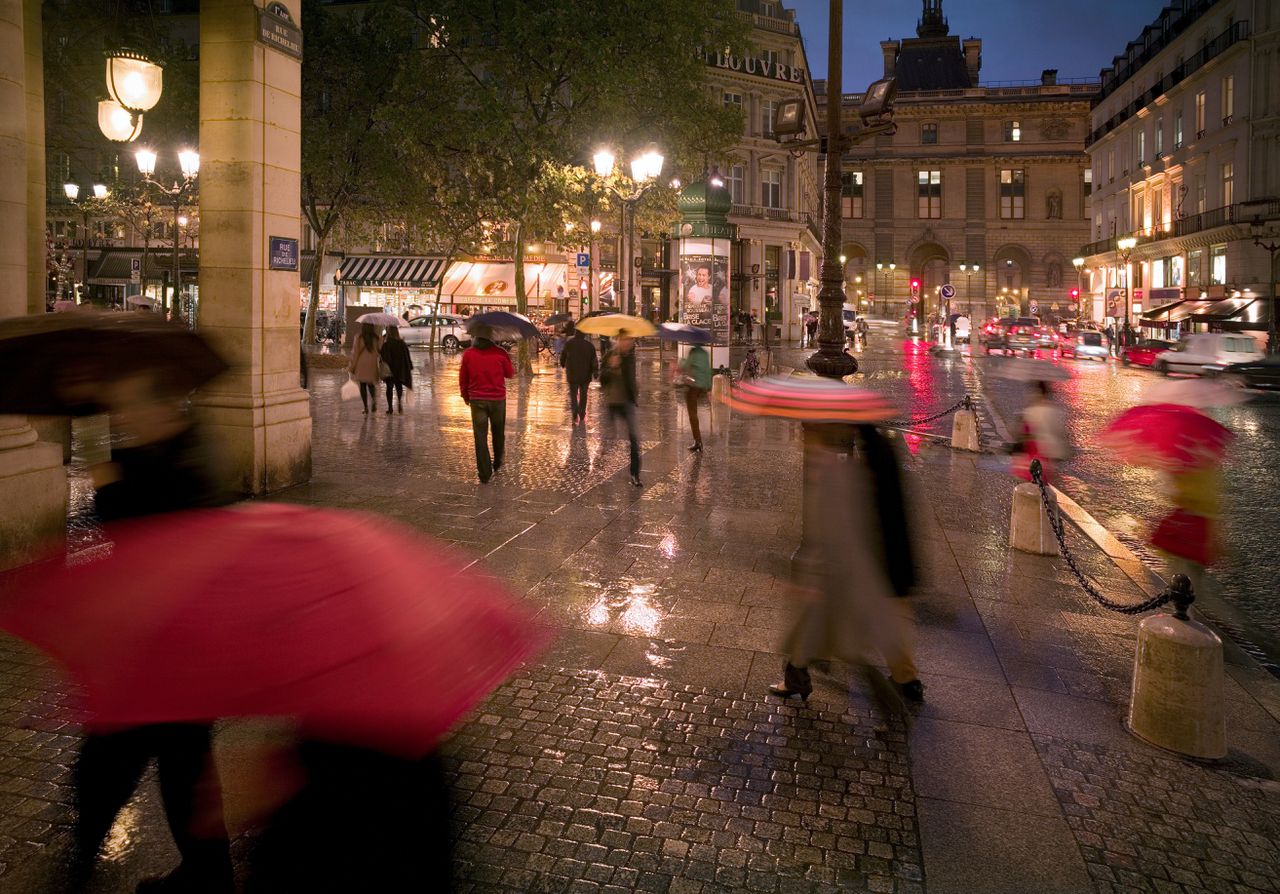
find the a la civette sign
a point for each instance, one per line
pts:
(762, 68)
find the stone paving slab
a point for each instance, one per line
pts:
(668, 603)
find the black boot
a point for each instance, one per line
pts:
(795, 681)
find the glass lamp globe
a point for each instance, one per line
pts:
(117, 123)
(134, 81)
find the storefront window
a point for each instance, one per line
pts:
(1176, 275)
(1158, 269)
(1195, 268)
(1217, 265)
(772, 268)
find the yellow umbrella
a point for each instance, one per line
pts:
(614, 325)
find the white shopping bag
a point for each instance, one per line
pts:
(350, 390)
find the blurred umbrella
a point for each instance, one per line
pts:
(500, 325)
(615, 325)
(360, 628)
(685, 334)
(140, 301)
(809, 399)
(1167, 437)
(1024, 369)
(1198, 393)
(379, 318)
(558, 320)
(47, 357)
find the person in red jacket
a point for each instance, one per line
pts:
(485, 367)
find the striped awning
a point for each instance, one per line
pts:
(383, 270)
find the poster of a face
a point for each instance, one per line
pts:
(704, 287)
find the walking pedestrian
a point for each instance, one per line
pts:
(364, 364)
(753, 323)
(696, 368)
(811, 327)
(855, 568)
(618, 380)
(581, 365)
(1043, 434)
(399, 367)
(482, 381)
(164, 466)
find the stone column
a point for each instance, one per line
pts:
(250, 159)
(33, 484)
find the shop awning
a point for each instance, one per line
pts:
(1158, 314)
(494, 282)
(1188, 309)
(383, 270)
(1225, 309)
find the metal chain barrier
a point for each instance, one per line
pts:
(1173, 592)
(966, 402)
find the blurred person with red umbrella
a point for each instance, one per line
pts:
(1042, 433)
(371, 639)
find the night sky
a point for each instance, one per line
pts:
(1019, 37)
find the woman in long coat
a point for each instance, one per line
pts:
(395, 354)
(854, 566)
(364, 364)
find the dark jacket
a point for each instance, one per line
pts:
(485, 366)
(891, 510)
(626, 371)
(166, 476)
(395, 354)
(579, 359)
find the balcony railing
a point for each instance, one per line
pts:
(1237, 32)
(765, 213)
(1239, 213)
(1149, 52)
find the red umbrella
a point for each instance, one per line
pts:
(1168, 437)
(810, 399)
(359, 627)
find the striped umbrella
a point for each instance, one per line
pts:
(809, 399)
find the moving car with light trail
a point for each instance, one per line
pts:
(1208, 352)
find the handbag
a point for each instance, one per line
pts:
(384, 371)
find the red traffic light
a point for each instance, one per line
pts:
(1075, 293)
(915, 283)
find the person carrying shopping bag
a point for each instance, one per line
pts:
(364, 364)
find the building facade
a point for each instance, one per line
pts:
(993, 177)
(1185, 152)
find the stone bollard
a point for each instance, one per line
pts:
(964, 428)
(719, 387)
(1177, 702)
(1029, 529)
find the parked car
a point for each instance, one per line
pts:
(448, 329)
(1144, 352)
(1205, 352)
(1256, 374)
(1086, 343)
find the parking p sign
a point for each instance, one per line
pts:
(584, 259)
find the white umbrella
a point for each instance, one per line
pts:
(1197, 393)
(140, 300)
(1024, 369)
(380, 319)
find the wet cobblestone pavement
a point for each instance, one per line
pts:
(641, 753)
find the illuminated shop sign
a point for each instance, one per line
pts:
(762, 68)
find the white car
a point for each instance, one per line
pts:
(449, 332)
(1207, 352)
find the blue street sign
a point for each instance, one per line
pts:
(584, 259)
(283, 254)
(948, 291)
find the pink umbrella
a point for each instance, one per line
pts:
(1168, 437)
(359, 627)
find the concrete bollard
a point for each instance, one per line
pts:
(719, 387)
(964, 431)
(1029, 529)
(1177, 702)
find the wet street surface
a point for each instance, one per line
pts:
(641, 751)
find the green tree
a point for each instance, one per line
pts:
(539, 85)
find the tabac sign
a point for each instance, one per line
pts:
(760, 67)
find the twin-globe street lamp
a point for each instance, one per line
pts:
(888, 279)
(189, 162)
(645, 170)
(1124, 248)
(969, 269)
(85, 207)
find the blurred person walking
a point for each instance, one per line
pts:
(364, 364)
(581, 365)
(1043, 434)
(854, 567)
(696, 368)
(618, 382)
(482, 382)
(395, 354)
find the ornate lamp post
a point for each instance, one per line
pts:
(85, 207)
(1271, 248)
(645, 170)
(969, 269)
(1124, 248)
(189, 162)
(1078, 263)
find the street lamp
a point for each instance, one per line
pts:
(969, 270)
(646, 167)
(189, 162)
(134, 85)
(1124, 248)
(85, 207)
(1271, 248)
(1078, 263)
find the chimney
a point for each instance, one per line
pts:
(890, 50)
(973, 58)
(1049, 77)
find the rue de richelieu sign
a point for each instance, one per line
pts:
(761, 68)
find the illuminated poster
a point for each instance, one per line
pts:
(704, 293)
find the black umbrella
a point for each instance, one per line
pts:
(54, 363)
(685, 334)
(499, 325)
(558, 319)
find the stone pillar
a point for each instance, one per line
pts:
(33, 484)
(250, 159)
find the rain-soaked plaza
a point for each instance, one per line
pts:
(641, 751)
